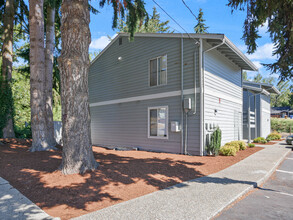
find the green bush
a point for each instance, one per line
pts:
(274, 136)
(282, 124)
(233, 144)
(228, 150)
(242, 145)
(250, 145)
(215, 142)
(260, 140)
(239, 145)
(24, 132)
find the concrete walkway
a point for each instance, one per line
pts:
(14, 205)
(202, 198)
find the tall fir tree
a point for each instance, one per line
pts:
(200, 27)
(77, 154)
(153, 25)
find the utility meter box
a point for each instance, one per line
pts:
(187, 104)
(175, 127)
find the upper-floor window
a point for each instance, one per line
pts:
(158, 71)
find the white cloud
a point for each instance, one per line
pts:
(257, 64)
(101, 42)
(264, 28)
(263, 52)
(242, 47)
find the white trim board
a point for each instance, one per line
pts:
(266, 110)
(146, 97)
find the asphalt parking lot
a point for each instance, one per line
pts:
(274, 200)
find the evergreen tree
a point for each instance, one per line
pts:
(279, 16)
(77, 154)
(153, 25)
(257, 78)
(200, 27)
(284, 98)
(244, 76)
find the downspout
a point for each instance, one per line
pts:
(201, 127)
(260, 116)
(202, 67)
(182, 97)
(255, 117)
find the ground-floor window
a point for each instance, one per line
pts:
(158, 122)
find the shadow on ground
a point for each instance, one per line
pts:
(35, 175)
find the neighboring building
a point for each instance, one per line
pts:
(139, 91)
(259, 106)
(281, 112)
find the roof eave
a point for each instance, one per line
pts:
(240, 54)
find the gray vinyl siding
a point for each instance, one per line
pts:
(126, 124)
(130, 77)
(223, 78)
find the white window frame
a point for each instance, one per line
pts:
(167, 122)
(149, 70)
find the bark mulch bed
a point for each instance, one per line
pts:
(269, 143)
(121, 176)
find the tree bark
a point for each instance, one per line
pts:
(74, 66)
(49, 60)
(37, 77)
(7, 59)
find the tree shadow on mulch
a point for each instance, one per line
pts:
(35, 175)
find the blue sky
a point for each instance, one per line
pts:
(218, 18)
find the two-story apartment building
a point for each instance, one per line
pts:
(167, 92)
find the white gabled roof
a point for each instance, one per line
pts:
(227, 48)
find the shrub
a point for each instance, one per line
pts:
(228, 150)
(233, 144)
(239, 145)
(260, 140)
(274, 136)
(242, 145)
(215, 142)
(282, 124)
(251, 145)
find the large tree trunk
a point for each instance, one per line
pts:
(74, 66)
(7, 59)
(37, 77)
(49, 59)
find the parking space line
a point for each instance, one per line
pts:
(284, 171)
(289, 158)
(286, 194)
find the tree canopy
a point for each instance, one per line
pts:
(279, 17)
(153, 25)
(200, 27)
